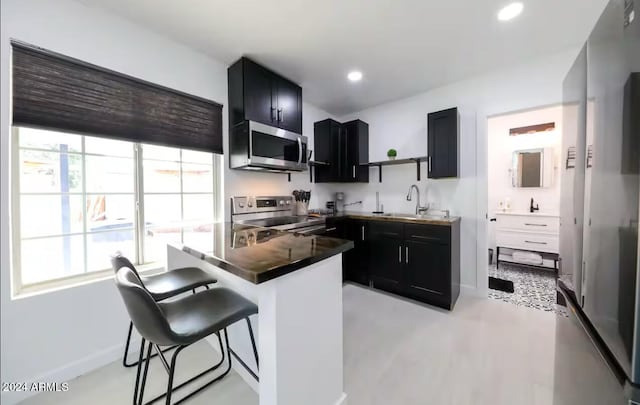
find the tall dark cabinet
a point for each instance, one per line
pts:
(343, 149)
(443, 136)
(258, 94)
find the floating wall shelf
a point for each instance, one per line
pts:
(416, 160)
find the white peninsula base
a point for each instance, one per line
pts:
(298, 331)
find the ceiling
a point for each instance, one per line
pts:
(403, 47)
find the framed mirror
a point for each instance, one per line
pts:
(532, 168)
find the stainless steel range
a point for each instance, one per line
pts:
(274, 212)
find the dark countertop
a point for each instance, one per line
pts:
(259, 254)
(397, 217)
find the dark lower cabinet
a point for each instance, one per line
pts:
(354, 262)
(427, 269)
(385, 260)
(421, 262)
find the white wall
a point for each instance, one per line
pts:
(402, 125)
(500, 153)
(59, 335)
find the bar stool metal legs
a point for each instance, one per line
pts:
(126, 349)
(143, 366)
(253, 343)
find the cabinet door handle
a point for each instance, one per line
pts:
(429, 163)
(406, 254)
(535, 224)
(535, 243)
(273, 114)
(330, 229)
(280, 115)
(362, 232)
(399, 254)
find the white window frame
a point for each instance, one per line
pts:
(20, 290)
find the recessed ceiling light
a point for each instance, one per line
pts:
(510, 11)
(355, 76)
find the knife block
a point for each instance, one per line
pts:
(302, 208)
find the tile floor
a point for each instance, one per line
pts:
(401, 352)
(533, 288)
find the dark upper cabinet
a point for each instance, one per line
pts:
(328, 147)
(443, 134)
(258, 94)
(344, 148)
(289, 105)
(356, 134)
(259, 103)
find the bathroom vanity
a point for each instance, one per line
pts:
(535, 233)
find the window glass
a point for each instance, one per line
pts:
(50, 172)
(192, 156)
(197, 178)
(161, 176)
(50, 140)
(109, 147)
(101, 245)
(70, 225)
(198, 207)
(161, 153)
(50, 258)
(109, 174)
(50, 215)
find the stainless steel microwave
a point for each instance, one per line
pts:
(255, 146)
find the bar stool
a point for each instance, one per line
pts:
(180, 323)
(162, 286)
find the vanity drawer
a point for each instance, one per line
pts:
(527, 241)
(529, 223)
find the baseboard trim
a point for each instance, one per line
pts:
(68, 371)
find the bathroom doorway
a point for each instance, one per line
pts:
(524, 175)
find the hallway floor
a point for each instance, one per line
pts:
(400, 352)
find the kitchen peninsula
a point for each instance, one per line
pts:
(296, 281)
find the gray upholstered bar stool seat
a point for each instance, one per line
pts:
(162, 286)
(180, 322)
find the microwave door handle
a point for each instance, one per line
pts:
(299, 150)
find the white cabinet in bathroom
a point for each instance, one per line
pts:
(536, 233)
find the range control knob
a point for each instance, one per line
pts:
(288, 202)
(241, 205)
(281, 202)
(249, 204)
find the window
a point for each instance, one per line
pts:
(77, 199)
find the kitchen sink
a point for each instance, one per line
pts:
(411, 216)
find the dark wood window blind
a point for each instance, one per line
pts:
(58, 92)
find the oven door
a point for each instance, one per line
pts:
(276, 148)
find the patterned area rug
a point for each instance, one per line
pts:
(534, 288)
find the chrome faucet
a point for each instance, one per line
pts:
(419, 209)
